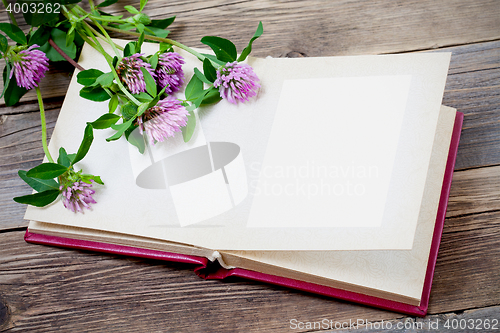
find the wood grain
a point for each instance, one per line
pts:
(468, 266)
(54, 85)
(474, 191)
(322, 28)
(318, 28)
(31, 106)
(473, 87)
(471, 320)
(20, 149)
(48, 289)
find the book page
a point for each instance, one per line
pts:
(330, 157)
(400, 273)
(203, 193)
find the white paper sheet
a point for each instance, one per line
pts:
(125, 207)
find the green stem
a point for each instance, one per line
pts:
(108, 91)
(96, 43)
(159, 39)
(122, 88)
(106, 19)
(110, 41)
(87, 40)
(113, 19)
(110, 63)
(11, 16)
(94, 20)
(64, 55)
(44, 125)
(69, 14)
(77, 12)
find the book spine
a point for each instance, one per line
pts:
(441, 214)
(35, 238)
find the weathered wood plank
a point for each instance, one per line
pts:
(44, 286)
(480, 140)
(473, 87)
(20, 149)
(485, 319)
(54, 85)
(320, 28)
(47, 289)
(467, 271)
(30, 106)
(465, 57)
(474, 191)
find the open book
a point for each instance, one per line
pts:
(334, 180)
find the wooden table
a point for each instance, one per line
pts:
(46, 289)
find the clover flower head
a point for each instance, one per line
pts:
(77, 195)
(29, 67)
(169, 72)
(163, 120)
(129, 71)
(237, 82)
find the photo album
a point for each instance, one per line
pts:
(334, 179)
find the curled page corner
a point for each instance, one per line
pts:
(217, 256)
